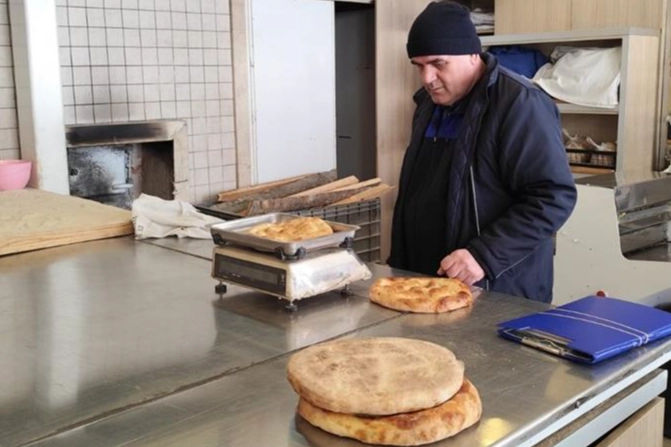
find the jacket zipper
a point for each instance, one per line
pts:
(439, 123)
(473, 191)
(477, 214)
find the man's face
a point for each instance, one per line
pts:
(447, 78)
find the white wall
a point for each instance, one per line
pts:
(293, 77)
(9, 127)
(38, 95)
(138, 60)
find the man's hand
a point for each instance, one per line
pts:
(461, 264)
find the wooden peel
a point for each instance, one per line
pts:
(31, 219)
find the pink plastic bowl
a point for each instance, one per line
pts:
(14, 174)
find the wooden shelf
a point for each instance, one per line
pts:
(631, 124)
(567, 36)
(576, 109)
(369, 2)
(590, 170)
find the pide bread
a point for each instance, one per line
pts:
(384, 391)
(421, 294)
(406, 429)
(375, 376)
(298, 229)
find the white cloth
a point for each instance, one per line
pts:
(481, 17)
(587, 77)
(154, 217)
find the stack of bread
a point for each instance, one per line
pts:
(386, 391)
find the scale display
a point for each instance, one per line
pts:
(247, 273)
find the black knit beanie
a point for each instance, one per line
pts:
(443, 28)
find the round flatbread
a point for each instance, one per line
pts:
(421, 427)
(421, 295)
(375, 376)
(298, 229)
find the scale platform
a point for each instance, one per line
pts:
(316, 273)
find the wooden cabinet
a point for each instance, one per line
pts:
(632, 124)
(591, 14)
(643, 428)
(532, 16)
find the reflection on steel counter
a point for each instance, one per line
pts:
(328, 316)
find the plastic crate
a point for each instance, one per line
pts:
(366, 215)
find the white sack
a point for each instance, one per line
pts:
(587, 77)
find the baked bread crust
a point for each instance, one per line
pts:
(410, 429)
(421, 295)
(298, 229)
(375, 376)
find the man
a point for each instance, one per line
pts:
(485, 181)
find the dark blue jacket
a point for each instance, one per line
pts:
(510, 184)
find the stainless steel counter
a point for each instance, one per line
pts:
(527, 395)
(200, 248)
(93, 328)
(123, 343)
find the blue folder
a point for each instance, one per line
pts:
(590, 329)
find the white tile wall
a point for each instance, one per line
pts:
(9, 132)
(134, 60)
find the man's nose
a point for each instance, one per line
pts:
(428, 76)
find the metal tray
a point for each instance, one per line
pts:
(236, 231)
(222, 210)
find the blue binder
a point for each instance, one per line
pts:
(590, 329)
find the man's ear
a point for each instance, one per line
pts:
(474, 59)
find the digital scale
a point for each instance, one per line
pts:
(288, 270)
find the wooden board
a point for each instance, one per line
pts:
(590, 170)
(343, 182)
(251, 190)
(289, 188)
(368, 194)
(257, 207)
(372, 182)
(31, 219)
